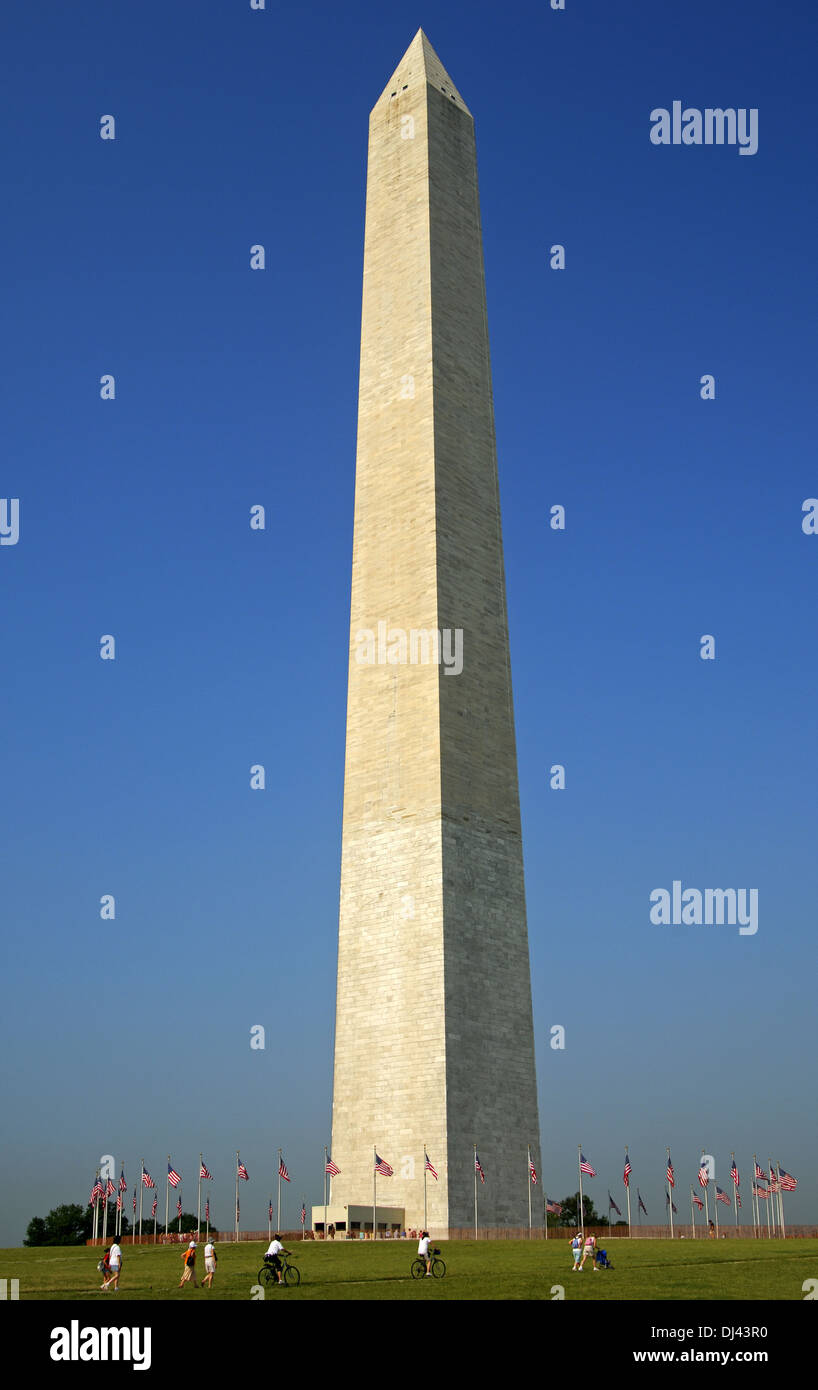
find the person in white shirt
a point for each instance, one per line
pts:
(114, 1266)
(274, 1250)
(423, 1252)
(210, 1264)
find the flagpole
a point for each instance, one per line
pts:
(374, 1188)
(529, 1191)
(545, 1212)
(780, 1199)
(670, 1197)
(207, 1218)
(141, 1190)
(768, 1204)
(475, 1192)
(96, 1205)
(425, 1211)
(692, 1216)
(199, 1202)
(628, 1190)
(154, 1225)
(236, 1207)
(773, 1194)
(326, 1160)
(270, 1215)
(280, 1222)
(754, 1199)
(581, 1204)
(735, 1184)
(167, 1195)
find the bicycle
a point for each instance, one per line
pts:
(290, 1273)
(438, 1266)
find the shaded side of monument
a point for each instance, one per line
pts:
(434, 1042)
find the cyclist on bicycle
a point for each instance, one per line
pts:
(423, 1252)
(274, 1251)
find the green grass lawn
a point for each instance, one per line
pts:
(644, 1269)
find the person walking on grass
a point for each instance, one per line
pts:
(114, 1267)
(189, 1271)
(576, 1251)
(210, 1264)
(589, 1251)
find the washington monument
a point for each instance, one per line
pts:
(434, 1041)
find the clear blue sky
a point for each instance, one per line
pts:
(131, 777)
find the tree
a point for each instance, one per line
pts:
(69, 1224)
(570, 1212)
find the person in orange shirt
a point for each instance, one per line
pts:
(189, 1271)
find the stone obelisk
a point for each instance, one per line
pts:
(434, 1044)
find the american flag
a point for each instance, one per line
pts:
(773, 1180)
(760, 1172)
(478, 1167)
(153, 1208)
(332, 1168)
(110, 1190)
(173, 1177)
(722, 1196)
(119, 1201)
(179, 1207)
(97, 1190)
(734, 1173)
(92, 1199)
(533, 1172)
(667, 1199)
(670, 1176)
(382, 1167)
(585, 1167)
(134, 1201)
(303, 1213)
(243, 1173)
(282, 1170)
(612, 1203)
(123, 1186)
(207, 1210)
(429, 1166)
(641, 1203)
(204, 1173)
(147, 1180)
(703, 1178)
(759, 1191)
(553, 1208)
(738, 1198)
(270, 1210)
(788, 1182)
(626, 1176)
(698, 1201)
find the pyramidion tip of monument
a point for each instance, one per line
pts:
(421, 63)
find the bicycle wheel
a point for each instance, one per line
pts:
(418, 1269)
(438, 1268)
(292, 1276)
(266, 1275)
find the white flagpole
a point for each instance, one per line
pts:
(154, 1225)
(581, 1203)
(529, 1191)
(780, 1200)
(236, 1206)
(768, 1204)
(207, 1218)
(105, 1213)
(706, 1212)
(545, 1212)
(96, 1205)
(670, 1198)
(754, 1200)
(326, 1160)
(475, 1191)
(270, 1218)
(425, 1210)
(280, 1222)
(771, 1202)
(374, 1189)
(628, 1190)
(141, 1190)
(167, 1195)
(735, 1188)
(199, 1201)
(692, 1215)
